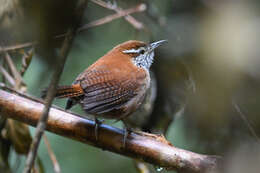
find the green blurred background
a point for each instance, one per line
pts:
(209, 67)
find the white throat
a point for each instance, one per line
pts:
(144, 60)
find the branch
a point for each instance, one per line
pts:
(109, 18)
(55, 163)
(50, 95)
(15, 74)
(7, 76)
(246, 121)
(123, 13)
(154, 149)
(18, 46)
(136, 24)
(41, 125)
(26, 60)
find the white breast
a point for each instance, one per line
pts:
(136, 101)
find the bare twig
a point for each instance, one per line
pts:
(4, 87)
(25, 95)
(122, 13)
(26, 60)
(136, 24)
(246, 121)
(52, 88)
(51, 92)
(138, 8)
(18, 46)
(19, 84)
(40, 167)
(7, 76)
(142, 146)
(55, 163)
(12, 67)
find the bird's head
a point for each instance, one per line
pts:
(140, 53)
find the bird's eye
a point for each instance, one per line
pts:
(142, 51)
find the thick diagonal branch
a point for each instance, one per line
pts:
(154, 149)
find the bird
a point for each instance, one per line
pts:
(115, 85)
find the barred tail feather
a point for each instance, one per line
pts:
(66, 91)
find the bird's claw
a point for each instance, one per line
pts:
(97, 124)
(127, 132)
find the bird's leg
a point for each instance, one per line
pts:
(97, 124)
(128, 131)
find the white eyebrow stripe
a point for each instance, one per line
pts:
(132, 51)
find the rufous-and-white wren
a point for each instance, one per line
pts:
(115, 85)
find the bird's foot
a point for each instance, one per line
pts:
(97, 124)
(127, 132)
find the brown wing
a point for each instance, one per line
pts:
(103, 92)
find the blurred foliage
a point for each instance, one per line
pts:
(18, 134)
(210, 64)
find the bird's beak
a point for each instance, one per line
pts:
(156, 44)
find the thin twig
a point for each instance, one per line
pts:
(154, 149)
(136, 24)
(109, 18)
(55, 163)
(246, 121)
(50, 95)
(4, 87)
(123, 13)
(25, 95)
(12, 67)
(18, 46)
(7, 76)
(19, 84)
(40, 167)
(52, 88)
(26, 60)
